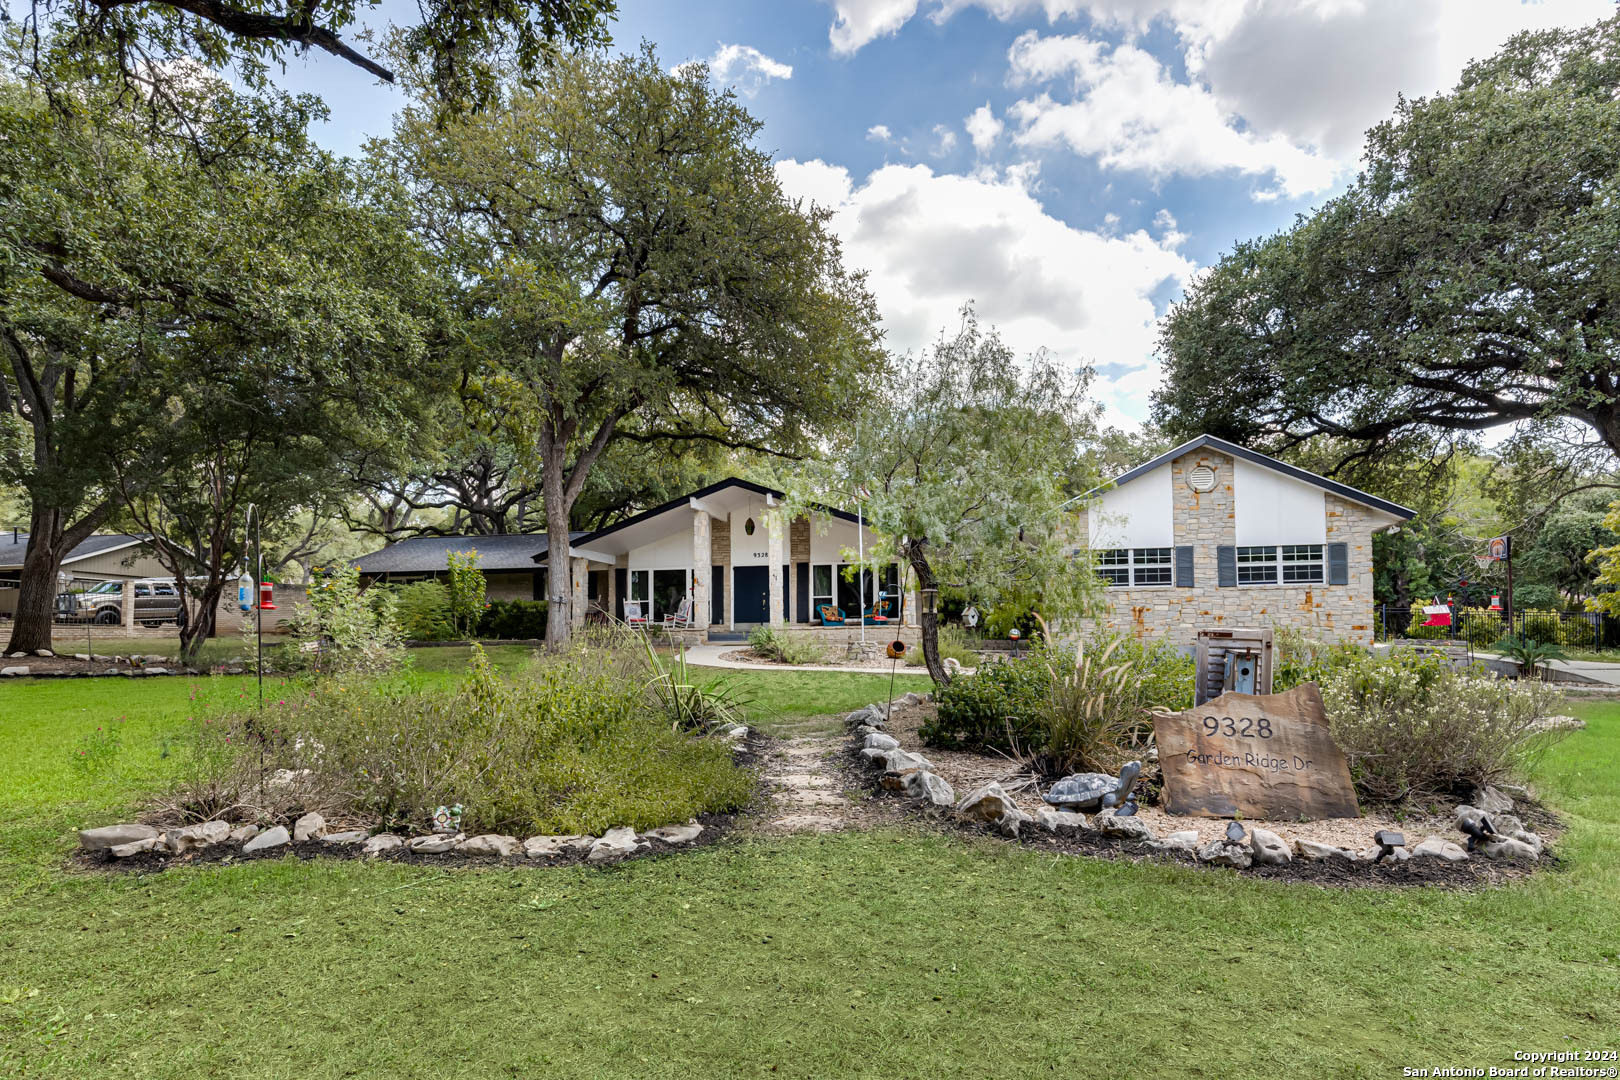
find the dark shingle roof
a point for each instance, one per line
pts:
(13, 546)
(430, 554)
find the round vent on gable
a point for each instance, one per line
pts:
(1201, 478)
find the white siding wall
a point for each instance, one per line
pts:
(672, 552)
(751, 550)
(839, 534)
(1138, 514)
(1276, 509)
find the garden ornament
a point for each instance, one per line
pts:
(1098, 791)
(1234, 832)
(447, 819)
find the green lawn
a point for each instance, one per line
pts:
(896, 953)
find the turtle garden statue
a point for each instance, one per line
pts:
(1098, 791)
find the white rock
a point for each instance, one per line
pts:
(912, 698)
(1062, 822)
(1122, 828)
(1508, 848)
(1183, 840)
(1508, 824)
(308, 827)
(901, 760)
(112, 835)
(46, 653)
(82, 656)
(348, 836)
(1313, 851)
(953, 666)
(1226, 853)
(1436, 847)
(270, 838)
(18, 655)
(243, 833)
(929, 787)
(15, 670)
(1268, 848)
(1528, 838)
(988, 805)
(382, 842)
(540, 847)
(614, 843)
(490, 844)
(676, 834)
(1395, 855)
(157, 671)
(192, 837)
(880, 741)
(436, 843)
(1492, 801)
(138, 847)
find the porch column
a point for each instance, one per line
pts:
(778, 550)
(702, 559)
(578, 600)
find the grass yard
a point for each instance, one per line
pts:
(896, 953)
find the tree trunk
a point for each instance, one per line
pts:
(917, 556)
(199, 629)
(559, 582)
(36, 594)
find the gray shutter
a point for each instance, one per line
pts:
(1338, 566)
(1184, 567)
(1226, 566)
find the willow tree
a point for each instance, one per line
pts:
(628, 264)
(963, 458)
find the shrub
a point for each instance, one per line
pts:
(1531, 653)
(997, 708)
(1414, 727)
(1302, 658)
(97, 752)
(423, 611)
(1536, 596)
(465, 589)
(362, 628)
(1539, 626)
(1093, 708)
(571, 748)
(787, 648)
(1163, 673)
(1576, 632)
(513, 620)
(686, 705)
(1480, 627)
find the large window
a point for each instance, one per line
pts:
(821, 588)
(1136, 566)
(1290, 564)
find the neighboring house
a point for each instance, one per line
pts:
(1212, 534)
(725, 548)
(106, 557)
(507, 562)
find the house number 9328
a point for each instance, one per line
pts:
(1244, 727)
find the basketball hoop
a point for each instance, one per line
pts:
(1484, 562)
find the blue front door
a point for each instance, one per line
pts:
(750, 593)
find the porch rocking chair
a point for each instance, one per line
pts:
(633, 615)
(681, 617)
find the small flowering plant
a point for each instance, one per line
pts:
(97, 752)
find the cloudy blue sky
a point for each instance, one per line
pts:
(1066, 164)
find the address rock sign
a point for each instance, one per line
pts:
(1265, 756)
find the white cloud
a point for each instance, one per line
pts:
(1129, 113)
(932, 241)
(744, 67)
(983, 127)
(880, 133)
(858, 22)
(946, 140)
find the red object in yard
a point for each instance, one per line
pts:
(1438, 615)
(1496, 601)
(267, 600)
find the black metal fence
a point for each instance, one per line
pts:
(1481, 627)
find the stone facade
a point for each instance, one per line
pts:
(1206, 521)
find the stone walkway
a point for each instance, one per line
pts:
(806, 788)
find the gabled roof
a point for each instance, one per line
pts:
(1344, 491)
(731, 484)
(14, 545)
(430, 554)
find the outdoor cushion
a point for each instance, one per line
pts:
(831, 614)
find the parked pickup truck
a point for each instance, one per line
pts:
(157, 601)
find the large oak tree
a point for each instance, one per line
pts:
(1469, 277)
(626, 258)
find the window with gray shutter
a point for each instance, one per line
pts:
(1226, 566)
(1338, 564)
(1184, 567)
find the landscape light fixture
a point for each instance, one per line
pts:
(1387, 840)
(1478, 828)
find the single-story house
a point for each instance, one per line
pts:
(1212, 534)
(104, 557)
(506, 560)
(727, 550)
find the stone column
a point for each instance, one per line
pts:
(127, 603)
(778, 552)
(578, 600)
(702, 575)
